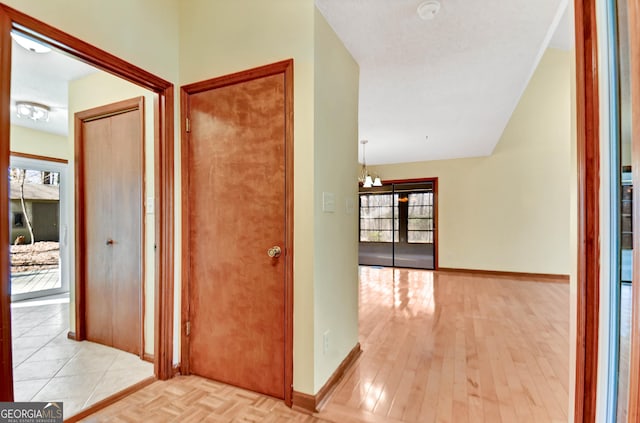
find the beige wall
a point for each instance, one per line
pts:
(30, 141)
(335, 276)
(191, 40)
(510, 211)
(96, 90)
(218, 37)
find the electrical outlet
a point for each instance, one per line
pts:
(325, 342)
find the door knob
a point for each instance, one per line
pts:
(110, 241)
(274, 251)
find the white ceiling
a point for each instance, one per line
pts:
(444, 88)
(455, 79)
(44, 78)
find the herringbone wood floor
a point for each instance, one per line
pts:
(438, 347)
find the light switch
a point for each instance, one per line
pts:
(349, 205)
(328, 202)
(149, 206)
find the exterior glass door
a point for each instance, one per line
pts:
(37, 227)
(398, 225)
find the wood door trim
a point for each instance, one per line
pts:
(80, 118)
(286, 68)
(6, 367)
(38, 157)
(164, 180)
(633, 414)
(588, 283)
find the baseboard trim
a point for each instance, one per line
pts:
(533, 277)
(148, 357)
(110, 400)
(71, 335)
(313, 403)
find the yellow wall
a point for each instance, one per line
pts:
(96, 90)
(510, 211)
(30, 141)
(335, 277)
(218, 37)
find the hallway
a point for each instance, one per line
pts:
(437, 347)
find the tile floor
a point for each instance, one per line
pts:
(47, 366)
(25, 282)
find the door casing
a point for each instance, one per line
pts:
(11, 19)
(286, 68)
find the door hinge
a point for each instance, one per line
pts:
(188, 328)
(188, 125)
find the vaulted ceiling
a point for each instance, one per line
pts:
(443, 88)
(436, 89)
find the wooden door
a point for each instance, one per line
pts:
(237, 211)
(110, 156)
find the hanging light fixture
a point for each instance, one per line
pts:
(365, 179)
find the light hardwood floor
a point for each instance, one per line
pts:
(447, 347)
(438, 347)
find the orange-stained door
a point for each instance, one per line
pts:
(113, 174)
(236, 195)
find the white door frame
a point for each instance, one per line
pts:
(64, 216)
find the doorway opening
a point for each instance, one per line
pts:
(158, 205)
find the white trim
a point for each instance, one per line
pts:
(66, 189)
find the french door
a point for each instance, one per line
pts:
(398, 225)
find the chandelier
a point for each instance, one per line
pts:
(365, 178)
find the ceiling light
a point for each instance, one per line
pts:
(30, 44)
(33, 111)
(365, 179)
(428, 10)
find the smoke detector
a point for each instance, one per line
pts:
(428, 10)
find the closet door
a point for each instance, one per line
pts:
(110, 154)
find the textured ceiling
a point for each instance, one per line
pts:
(44, 78)
(444, 88)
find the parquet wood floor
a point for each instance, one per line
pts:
(186, 399)
(438, 347)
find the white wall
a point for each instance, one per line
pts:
(510, 211)
(335, 276)
(96, 90)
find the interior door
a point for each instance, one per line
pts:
(236, 233)
(111, 164)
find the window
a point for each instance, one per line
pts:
(420, 218)
(18, 220)
(378, 216)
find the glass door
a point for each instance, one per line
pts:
(37, 219)
(398, 225)
(622, 233)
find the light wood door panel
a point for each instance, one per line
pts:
(127, 253)
(236, 195)
(99, 221)
(112, 154)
